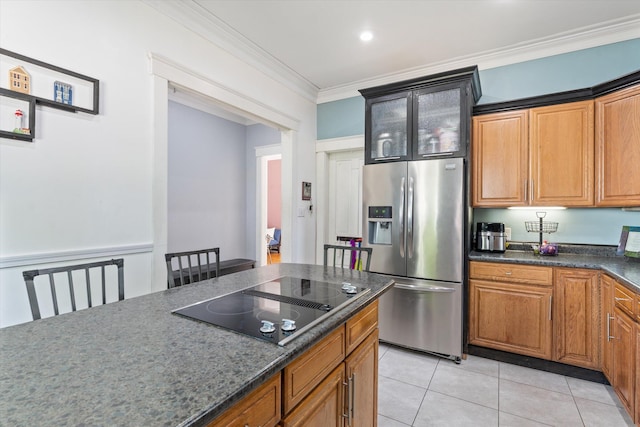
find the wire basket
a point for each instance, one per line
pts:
(541, 227)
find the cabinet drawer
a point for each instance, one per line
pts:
(517, 273)
(625, 300)
(261, 407)
(361, 326)
(308, 370)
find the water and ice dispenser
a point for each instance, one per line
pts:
(379, 229)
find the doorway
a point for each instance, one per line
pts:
(339, 164)
(166, 73)
(269, 200)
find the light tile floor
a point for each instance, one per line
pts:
(416, 389)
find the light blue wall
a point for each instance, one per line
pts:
(596, 226)
(344, 117)
(558, 73)
(574, 70)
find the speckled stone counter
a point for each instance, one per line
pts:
(627, 270)
(134, 363)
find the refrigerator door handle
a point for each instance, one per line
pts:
(423, 288)
(410, 219)
(402, 218)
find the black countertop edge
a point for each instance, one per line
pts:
(624, 269)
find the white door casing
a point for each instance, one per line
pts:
(345, 151)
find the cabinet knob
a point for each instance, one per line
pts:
(508, 273)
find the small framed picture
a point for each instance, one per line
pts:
(63, 92)
(306, 190)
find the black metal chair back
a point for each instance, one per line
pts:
(30, 275)
(193, 266)
(349, 261)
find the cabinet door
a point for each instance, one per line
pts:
(500, 159)
(575, 317)
(362, 378)
(440, 129)
(324, 406)
(618, 148)
(624, 359)
(260, 408)
(607, 285)
(561, 146)
(637, 373)
(387, 128)
(511, 317)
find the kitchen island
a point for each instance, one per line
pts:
(134, 363)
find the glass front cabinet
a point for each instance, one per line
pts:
(422, 118)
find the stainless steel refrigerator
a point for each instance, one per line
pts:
(414, 219)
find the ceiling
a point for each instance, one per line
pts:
(314, 44)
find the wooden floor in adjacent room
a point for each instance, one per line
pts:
(273, 258)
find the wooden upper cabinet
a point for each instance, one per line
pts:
(561, 147)
(618, 148)
(500, 159)
(538, 157)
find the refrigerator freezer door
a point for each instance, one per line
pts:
(435, 226)
(384, 185)
(423, 315)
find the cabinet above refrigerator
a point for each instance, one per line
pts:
(420, 119)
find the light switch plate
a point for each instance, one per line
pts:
(507, 232)
(301, 212)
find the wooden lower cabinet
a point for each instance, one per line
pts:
(511, 317)
(334, 383)
(324, 405)
(362, 373)
(347, 397)
(624, 363)
(302, 375)
(607, 285)
(260, 408)
(576, 323)
(638, 372)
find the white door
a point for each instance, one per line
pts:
(345, 195)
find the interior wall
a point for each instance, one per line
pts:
(274, 194)
(88, 185)
(207, 177)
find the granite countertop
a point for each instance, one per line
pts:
(626, 270)
(134, 363)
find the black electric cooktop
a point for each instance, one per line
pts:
(264, 311)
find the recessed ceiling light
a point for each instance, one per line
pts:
(366, 36)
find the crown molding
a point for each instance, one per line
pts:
(584, 38)
(194, 17)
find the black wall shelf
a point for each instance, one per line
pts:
(91, 87)
(31, 116)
